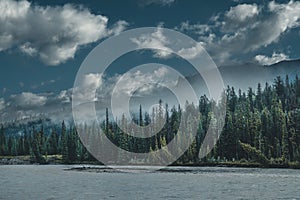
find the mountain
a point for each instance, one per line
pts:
(240, 76)
(243, 76)
(290, 67)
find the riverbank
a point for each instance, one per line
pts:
(57, 159)
(291, 165)
(27, 160)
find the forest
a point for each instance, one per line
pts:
(261, 126)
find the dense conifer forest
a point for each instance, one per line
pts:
(261, 126)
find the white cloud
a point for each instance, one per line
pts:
(65, 96)
(161, 72)
(91, 81)
(242, 12)
(28, 105)
(28, 100)
(157, 2)
(246, 28)
(54, 34)
(43, 83)
(86, 92)
(117, 28)
(28, 49)
(94, 89)
(132, 82)
(189, 53)
(288, 15)
(160, 45)
(199, 29)
(275, 58)
(2, 104)
(155, 40)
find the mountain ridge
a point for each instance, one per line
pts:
(243, 76)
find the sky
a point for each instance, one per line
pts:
(43, 43)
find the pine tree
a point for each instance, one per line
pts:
(258, 98)
(64, 143)
(71, 143)
(53, 143)
(36, 147)
(2, 141)
(285, 141)
(228, 139)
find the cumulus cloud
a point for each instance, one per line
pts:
(156, 40)
(242, 12)
(28, 100)
(143, 82)
(95, 88)
(245, 28)
(65, 96)
(98, 91)
(191, 52)
(275, 58)
(27, 105)
(53, 34)
(288, 15)
(199, 29)
(86, 92)
(161, 45)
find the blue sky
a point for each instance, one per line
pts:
(43, 43)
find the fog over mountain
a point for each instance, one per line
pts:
(249, 75)
(243, 76)
(58, 107)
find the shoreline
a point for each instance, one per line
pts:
(56, 160)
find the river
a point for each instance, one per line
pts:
(54, 182)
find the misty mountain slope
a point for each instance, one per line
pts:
(243, 76)
(290, 67)
(240, 76)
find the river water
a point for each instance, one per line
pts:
(54, 182)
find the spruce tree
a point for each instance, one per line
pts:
(2, 141)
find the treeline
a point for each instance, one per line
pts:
(260, 126)
(39, 144)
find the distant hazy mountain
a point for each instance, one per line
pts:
(240, 76)
(243, 76)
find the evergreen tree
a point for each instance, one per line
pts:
(228, 139)
(2, 141)
(36, 147)
(64, 143)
